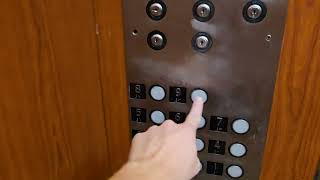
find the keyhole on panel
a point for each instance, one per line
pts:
(155, 10)
(203, 11)
(254, 12)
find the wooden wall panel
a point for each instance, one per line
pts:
(112, 62)
(293, 144)
(51, 111)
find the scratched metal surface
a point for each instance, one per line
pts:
(238, 72)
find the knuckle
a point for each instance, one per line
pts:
(169, 123)
(152, 128)
(137, 137)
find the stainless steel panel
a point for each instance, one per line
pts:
(238, 71)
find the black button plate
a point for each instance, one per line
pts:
(178, 117)
(219, 123)
(215, 168)
(137, 91)
(178, 94)
(217, 147)
(138, 114)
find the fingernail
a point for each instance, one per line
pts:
(199, 99)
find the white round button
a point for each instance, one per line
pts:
(199, 144)
(199, 93)
(235, 171)
(157, 93)
(158, 117)
(240, 126)
(237, 150)
(202, 123)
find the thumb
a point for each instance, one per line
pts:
(194, 116)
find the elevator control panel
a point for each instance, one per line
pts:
(226, 52)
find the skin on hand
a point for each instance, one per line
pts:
(165, 152)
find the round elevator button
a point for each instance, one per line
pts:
(240, 126)
(199, 93)
(237, 150)
(157, 117)
(157, 93)
(202, 123)
(235, 171)
(199, 144)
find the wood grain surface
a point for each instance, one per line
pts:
(113, 74)
(51, 108)
(293, 145)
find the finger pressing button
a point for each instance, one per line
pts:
(199, 93)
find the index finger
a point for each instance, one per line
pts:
(194, 116)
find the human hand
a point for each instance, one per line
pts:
(167, 151)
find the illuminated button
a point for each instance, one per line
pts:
(157, 117)
(199, 93)
(235, 171)
(202, 123)
(199, 144)
(240, 126)
(237, 150)
(157, 93)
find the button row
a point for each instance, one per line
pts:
(233, 171)
(158, 93)
(159, 117)
(218, 147)
(203, 10)
(217, 123)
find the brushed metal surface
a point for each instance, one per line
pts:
(238, 72)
